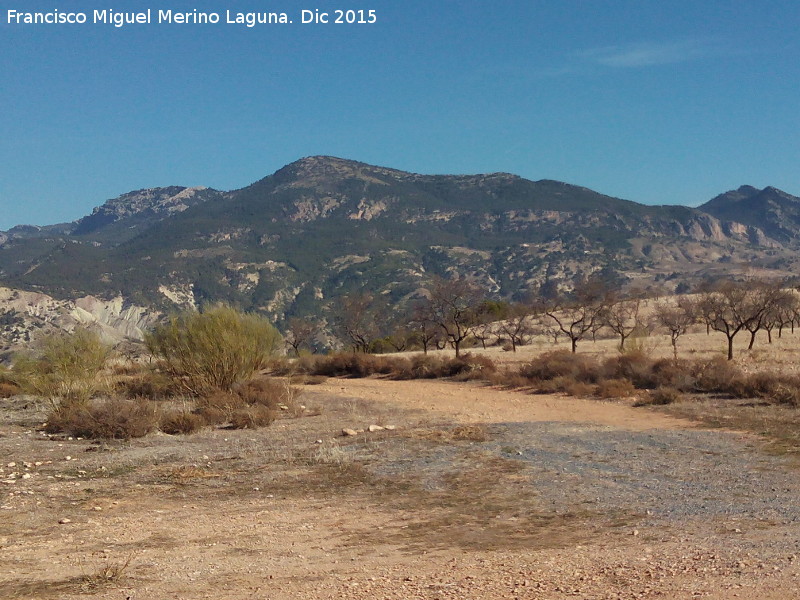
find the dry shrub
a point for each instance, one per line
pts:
(126, 367)
(268, 392)
(561, 363)
(615, 388)
(677, 374)
(508, 379)
(213, 415)
(786, 392)
(774, 387)
(581, 389)
(112, 418)
(346, 364)
(660, 396)
(218, 406)
(420, 366)
(148, 383)
(469, 367)
(715, 375)
(470, 433)
(466, 367)
(181, 422)
(273, 394)
(634, 365)
(252, 417)
(8, 389)
(558, 384)
(252, 404)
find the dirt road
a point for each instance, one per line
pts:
(471, 493)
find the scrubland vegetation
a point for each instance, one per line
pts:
(224, 368)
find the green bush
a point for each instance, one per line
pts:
(66, 369)
(215, 349)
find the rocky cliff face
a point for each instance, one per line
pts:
(27, 316)
(771, 211)
(148, 205)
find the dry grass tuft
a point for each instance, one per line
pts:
(109, 571)
(473, 432)
(189, 472)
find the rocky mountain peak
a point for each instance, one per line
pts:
(151, 202)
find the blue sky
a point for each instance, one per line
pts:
(660, 102)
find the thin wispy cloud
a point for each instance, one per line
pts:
(649, 54)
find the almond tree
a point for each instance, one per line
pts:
(517, 325)
(575, 318)
(675, 318)
(453, 304)
(424, 327)
(299, 332)
(731, 307)
(623, 318)
(359, 320)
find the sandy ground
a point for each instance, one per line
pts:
(225, 514)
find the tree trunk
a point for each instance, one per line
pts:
(730, 347)
(457, 346)
(675, 349)
(752, 339)
(574, 345)
(769, 336)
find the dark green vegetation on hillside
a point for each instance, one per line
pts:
(321, 228)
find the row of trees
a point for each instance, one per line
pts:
(452, 312)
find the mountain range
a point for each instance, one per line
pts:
(322, 227)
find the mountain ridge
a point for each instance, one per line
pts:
(323, 227)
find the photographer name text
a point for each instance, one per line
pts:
(121, 19)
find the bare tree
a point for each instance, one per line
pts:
(359, 320)
(424, 327)
(623, 317)
(517, 325)
(784, 313)
(732, 307)
(766, 301)
(453, 305)
(676, 318)
(575, 318)
(299, 332)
